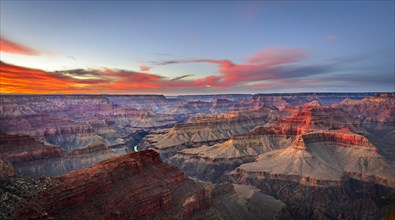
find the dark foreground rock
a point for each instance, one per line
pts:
(133, 186)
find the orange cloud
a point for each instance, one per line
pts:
(22, 80)
(8, 46)
(15, 79)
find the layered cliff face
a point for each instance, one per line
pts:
(35, 159)
(312, 116)
(325, 156)
(378, 109)
(14, 148)
(78, 121)
(377, 116)
(212, 162)
(321, 165)
(117, 189)
(206, 129)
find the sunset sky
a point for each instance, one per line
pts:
(172, 48)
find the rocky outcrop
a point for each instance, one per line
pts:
(327, 156)
(341, 137)
(310, 117)
(15, 191)
(140, 186)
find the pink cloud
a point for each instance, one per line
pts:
(267, 64)
(331, 37)
(275, 56)
(8, 46)
(144, 68)
(260, 66)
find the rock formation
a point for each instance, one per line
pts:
(325, 156)
(316, 149)
(377, 116)
(206, 129)
(140, 186)
(210, 162)
(318, 166)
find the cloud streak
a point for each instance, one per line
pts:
(181, 77)
(8, 46)
(263, 65)
(270, 68)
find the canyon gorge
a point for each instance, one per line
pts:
(232, 156)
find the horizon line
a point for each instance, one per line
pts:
(210, 94)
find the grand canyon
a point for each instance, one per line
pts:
(197, 110)
(262, 156)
